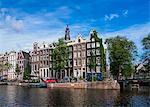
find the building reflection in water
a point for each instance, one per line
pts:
(47, 97)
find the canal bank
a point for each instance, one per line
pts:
(81, 85)
(32, 85)
(3, 83)
(90, 85)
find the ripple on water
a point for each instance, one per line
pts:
(12, 96)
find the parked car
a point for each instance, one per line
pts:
(51, 81)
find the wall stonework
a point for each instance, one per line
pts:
(92, 85)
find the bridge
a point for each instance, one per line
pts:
(133, 83)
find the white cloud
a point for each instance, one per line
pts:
(17, 25)
(135, 33)
(125, 13)
(10, 22)
(115, 15)
(110, 17)
(49, 27)
(3, 11)
(61, 12)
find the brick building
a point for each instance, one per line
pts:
(23, 58)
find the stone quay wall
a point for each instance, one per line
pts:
(90, 85)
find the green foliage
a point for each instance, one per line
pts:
(81, 78)
(5, 67)
(60, 55)
(17, 70)
(94, 78)
(95, 35)
(146, 44)
(122, 53)
(92, 61)
(27, 72)
(102, 59)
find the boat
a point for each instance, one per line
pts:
(42, 85)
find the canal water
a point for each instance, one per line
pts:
(13, 96)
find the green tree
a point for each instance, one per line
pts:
(122, 53)
(17, 70)
(146, 44)
(5, 67)
(60, 56)
(92, 63)
(27, 72)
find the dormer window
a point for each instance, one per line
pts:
(44, 46)
(79, 40)
(34, 47)
(93, 39)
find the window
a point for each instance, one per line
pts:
(97, 44)
(44, 51)
(75, 48)
(93, 51)
(88, 52)
(50, 58)
(79, 54)
(47, 62)
(83, 61)
(47, 73)
(83, 46)
(97, 52)
(70, 48)
(70, 55)
(75, 62)
(93, 39)
(34, 47)
(93, 45)
(47, 50)
(44, 72)
(83, 53)
(41, 72)
(97, 69)
(37, 58)
(97, 60)
(88, 61)
(50, 65)
(79, 40)
(41, 52)
(71, 62)
(75, 54)
(79, 47)
(79, 62)
(88, 45)
(51, 73)
(35, 67)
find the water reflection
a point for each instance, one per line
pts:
(23, 97)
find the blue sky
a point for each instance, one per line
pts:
(23, 22)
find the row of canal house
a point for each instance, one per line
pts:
(21, 58)
(80, 51)
(42, 63)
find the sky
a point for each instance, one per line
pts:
(23, 22)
